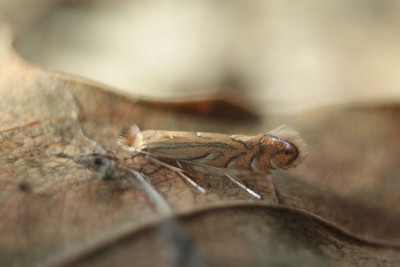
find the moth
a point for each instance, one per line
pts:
(282, 148)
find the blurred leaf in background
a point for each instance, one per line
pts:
(270, 56)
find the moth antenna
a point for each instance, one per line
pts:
(127, 136)
(290, 135)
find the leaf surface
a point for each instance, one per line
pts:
(57, 211)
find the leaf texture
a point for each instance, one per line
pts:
(62, 211)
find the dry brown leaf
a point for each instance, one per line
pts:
(58, 212)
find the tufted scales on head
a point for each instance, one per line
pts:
(293, 137)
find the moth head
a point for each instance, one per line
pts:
(283, 148)
(129, 138)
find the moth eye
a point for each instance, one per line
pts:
(282, 159)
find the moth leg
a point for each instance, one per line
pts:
(274, 191)
(198, 187)
(179, 171)
(243, 186)
(230, 177)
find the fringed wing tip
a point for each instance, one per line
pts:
(123, 137)
(292, 136)
(127, 136)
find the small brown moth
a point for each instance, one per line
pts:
(281, 148)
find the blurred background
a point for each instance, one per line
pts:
(267, 56)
